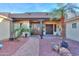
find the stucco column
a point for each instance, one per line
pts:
(29, 28)
(44, 29)
(41, 23)
(11, 30)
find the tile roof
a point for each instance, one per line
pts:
(30, 15)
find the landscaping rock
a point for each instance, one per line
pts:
(55, 47)
(64, 52)
(64, 44)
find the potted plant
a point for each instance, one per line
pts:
(27, 31)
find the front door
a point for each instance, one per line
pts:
(49, 28)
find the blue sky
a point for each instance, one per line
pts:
(26, 7)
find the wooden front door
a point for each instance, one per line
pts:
(49, 28)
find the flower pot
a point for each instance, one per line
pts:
(25, 35)
(11, 39)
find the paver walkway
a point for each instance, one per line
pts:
(42, 47)
(30, 48)
(45, 48)
(36, 47)
(10, 47)
(73, 45)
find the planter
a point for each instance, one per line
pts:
(11, 39)
(25, 35)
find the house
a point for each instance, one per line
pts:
(38, 22)
(4, 26)
(72, 28)
(34, 20)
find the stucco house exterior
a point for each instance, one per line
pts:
(4, 26)
(72, 28)
(32, 20)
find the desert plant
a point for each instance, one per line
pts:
(20, 31)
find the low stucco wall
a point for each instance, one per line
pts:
(72, 33)
(4, 29)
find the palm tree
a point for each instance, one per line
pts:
(62, 13)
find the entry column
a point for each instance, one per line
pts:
(41, 23)
(11, 30)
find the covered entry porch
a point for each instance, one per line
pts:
(40, 26)
(45, 26)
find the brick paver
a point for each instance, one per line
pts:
(10, 47)
(73, 45)
(34, 46)
(45, 48)
(30, 48)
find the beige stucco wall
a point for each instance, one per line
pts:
(72, 33)
(4, 29)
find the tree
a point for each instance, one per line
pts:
(62, 12)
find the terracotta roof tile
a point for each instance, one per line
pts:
(30, 15)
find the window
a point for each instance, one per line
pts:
(74, 25)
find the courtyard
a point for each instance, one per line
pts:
(40, 33)
(34, 46)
